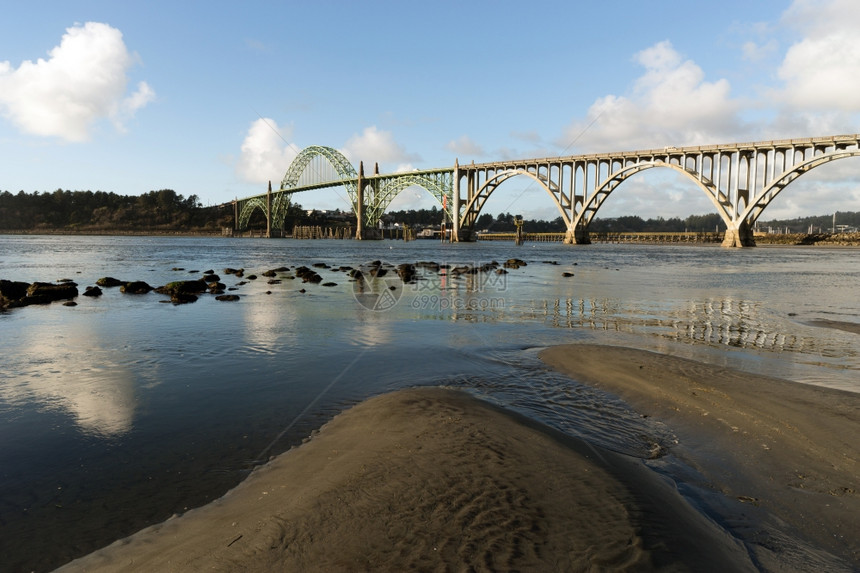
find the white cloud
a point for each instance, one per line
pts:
(374, 146)
(753, 52)
(670, 104)
(265, 154)
(821, 72)
(465, 146)
(83, 80)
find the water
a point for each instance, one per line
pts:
(122, 411)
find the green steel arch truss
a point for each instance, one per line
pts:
(383, 190)
(291, 183)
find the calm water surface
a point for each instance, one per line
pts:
(122, 410)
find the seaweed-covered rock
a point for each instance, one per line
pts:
(183, 287)
(43, 293)
(135, 287)
(514, 263)
(109, 282)
(182, 298)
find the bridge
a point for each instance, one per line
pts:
(741, 179)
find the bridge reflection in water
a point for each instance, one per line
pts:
(726, 322)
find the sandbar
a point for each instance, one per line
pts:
(788, 451)
(434, 479)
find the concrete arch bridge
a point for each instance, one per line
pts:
(741, 179)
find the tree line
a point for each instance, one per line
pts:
(98, 210)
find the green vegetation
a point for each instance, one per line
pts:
(163, 210)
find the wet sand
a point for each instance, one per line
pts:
(788, 451)
(837, 324)
(433, 479)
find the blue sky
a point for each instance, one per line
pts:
(215, 98)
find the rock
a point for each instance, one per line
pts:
(135, 287)
(183, 287)
(307, 275)
(429, 265)
(211, 278)
(269, 273)
(406, 272)
(109, 282)
(329, 284)
(11, 292)
(227, 297)
(43, 293)
(567, 274)
(70, 303)
(209, 272)
(514, 263)
(182, 298)
(92, 291)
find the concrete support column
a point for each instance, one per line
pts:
(739, 234)
(359, 203)
(455, 207)
(269, 212)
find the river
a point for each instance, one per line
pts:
(124, 410)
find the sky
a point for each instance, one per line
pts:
(215, 98)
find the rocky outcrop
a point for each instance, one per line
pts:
(15, 293)
(109, 282)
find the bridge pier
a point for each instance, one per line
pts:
(466, 235)
(739, 235)
(577, 236)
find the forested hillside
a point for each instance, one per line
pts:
(101, 211)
